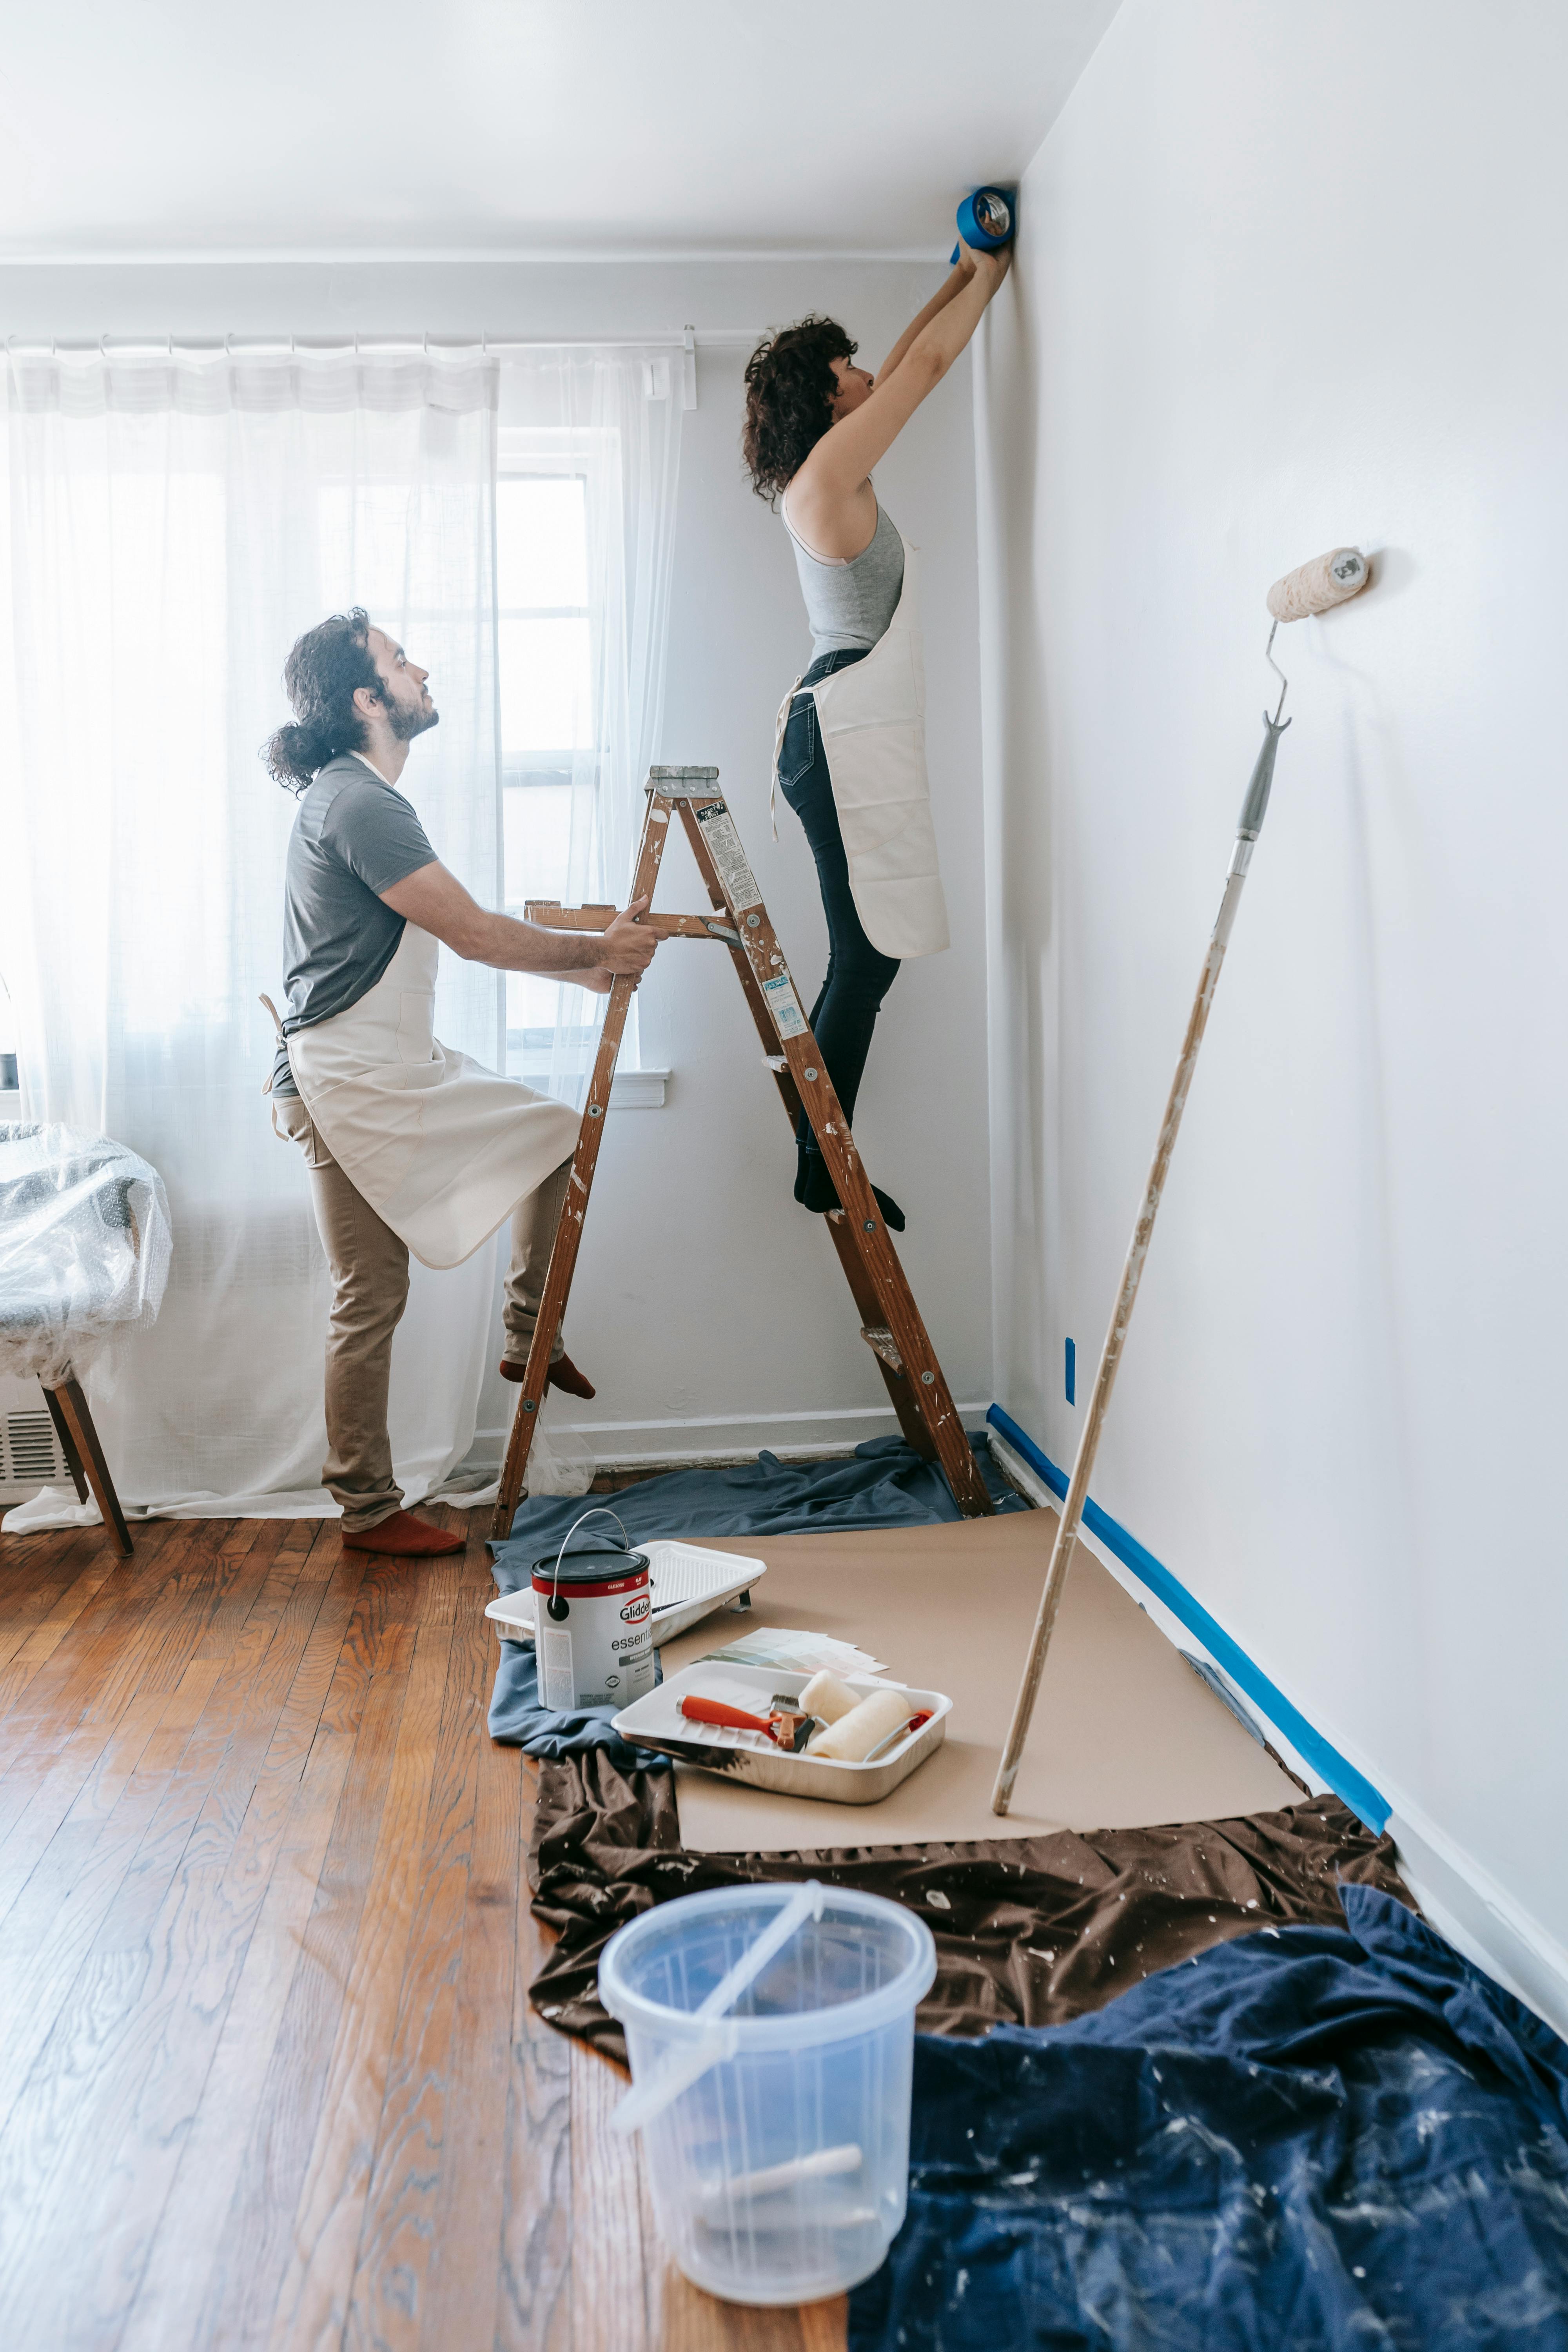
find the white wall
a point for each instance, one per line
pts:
(1291, 277)
(708, 1306)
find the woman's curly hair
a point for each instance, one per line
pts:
(320, 677)
(790, 386)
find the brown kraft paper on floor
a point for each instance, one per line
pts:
(1124, 1732)
(1029, 1931)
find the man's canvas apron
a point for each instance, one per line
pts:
(442, 1149)
(871, 719)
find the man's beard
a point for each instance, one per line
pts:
(406, 721)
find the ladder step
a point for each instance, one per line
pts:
(881, 1342)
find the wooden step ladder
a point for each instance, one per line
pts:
(891, 1321)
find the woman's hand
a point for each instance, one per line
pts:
(990, 268)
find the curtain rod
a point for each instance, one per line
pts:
(379, 346)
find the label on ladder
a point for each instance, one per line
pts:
(724, 846)
(784, 1006)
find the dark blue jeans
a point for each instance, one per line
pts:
(858, 975)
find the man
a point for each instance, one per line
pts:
(409, 1145)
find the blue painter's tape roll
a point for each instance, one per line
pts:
(987, 219)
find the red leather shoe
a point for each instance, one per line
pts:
(562, 1374)
(403, 1536)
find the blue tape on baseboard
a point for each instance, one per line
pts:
(1310, 1745)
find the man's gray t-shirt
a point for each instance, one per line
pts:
(354, 836)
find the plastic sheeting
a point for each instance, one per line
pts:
(1315, 2137)
(84, 1248)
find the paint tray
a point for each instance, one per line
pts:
(686, 1582)
(654, 1722)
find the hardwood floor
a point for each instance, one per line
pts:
(268, 2075)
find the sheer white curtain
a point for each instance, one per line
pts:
(173, 526)
(589, 454)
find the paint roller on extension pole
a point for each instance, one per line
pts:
(1314, 587)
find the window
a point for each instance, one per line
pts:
(557, 507)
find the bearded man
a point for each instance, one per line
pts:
(410, 1146)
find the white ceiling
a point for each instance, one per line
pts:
(137, 128)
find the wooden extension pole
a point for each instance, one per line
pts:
(1132, 1271)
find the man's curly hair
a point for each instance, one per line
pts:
(790, 385)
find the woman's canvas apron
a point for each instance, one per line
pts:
(442, 1149)
(871, 719)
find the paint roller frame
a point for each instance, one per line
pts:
(1312, 588)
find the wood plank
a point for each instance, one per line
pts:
(36, 1620)
(189, 2243)
(403, 2202)
(137, 1635)
(534, 2313)
(610, 2263)
(363, 1709)
(68, 2217)
(48, 1933)
(204, 1935)
(104, 1739)
(312, 2304)
(463, 2283)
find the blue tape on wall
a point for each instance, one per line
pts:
(1311, 1747)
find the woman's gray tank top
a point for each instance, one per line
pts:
(849, 606)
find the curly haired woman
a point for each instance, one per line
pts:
(849, 755)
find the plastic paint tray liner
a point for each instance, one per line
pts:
(655, 1721)
(686, 1581)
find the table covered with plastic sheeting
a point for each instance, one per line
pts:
(84, 1248)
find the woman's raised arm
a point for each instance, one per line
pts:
(839, 465)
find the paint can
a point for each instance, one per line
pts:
(592, 1623)
(987, 220)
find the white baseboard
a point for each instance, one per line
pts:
(1480, 1917)
(1462, 1900)
(699, 1440)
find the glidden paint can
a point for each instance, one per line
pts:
(593, 1628)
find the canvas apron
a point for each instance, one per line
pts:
(871, 719)
(441, 1148)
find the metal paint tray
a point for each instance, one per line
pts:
(746, 1755)
(686, 1582)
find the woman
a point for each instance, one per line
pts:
(851, 751)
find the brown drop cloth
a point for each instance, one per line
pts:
(1029, 1931)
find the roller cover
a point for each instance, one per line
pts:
(1318, 586)
(827, 1696)
(851, 1739)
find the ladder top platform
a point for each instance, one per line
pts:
(681, 784)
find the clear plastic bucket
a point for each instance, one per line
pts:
(779, 2174)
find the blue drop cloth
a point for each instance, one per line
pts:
(518, 1718)
(1304, 2138)
(886, 1484)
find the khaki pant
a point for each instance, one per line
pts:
(369, 1266)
